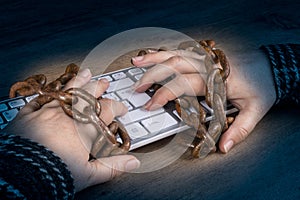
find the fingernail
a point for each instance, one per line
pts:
(85, 73)
(154, 106)
(135, 85)
(228, 145)
(151, 51)
(147, 105)
(132, 164)
(138, 58)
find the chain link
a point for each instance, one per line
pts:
(218, 69)
(106, 143)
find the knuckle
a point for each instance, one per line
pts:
(243, 133)
(174, 60)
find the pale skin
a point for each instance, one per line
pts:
(250, 86)
(51, 127)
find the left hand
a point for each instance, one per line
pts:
(51, 127)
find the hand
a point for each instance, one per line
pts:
(250, 86)
(51, 127)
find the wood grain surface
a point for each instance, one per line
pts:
(45, 36)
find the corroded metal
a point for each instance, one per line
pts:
(106, 143)
(192, 113)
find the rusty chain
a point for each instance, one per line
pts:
(218, 69)
(106, 142)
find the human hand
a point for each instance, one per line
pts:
(51, 127)
(250, 86)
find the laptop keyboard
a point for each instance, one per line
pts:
(143, 126)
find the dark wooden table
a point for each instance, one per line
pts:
(43, 37)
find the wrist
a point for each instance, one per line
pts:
(251, 73)
(284, 62)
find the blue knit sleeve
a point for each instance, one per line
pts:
(285, 64)
(30, 171)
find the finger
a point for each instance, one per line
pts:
(82, 78)
(189, 84)
(111, 109)
(161, 56)
(242, 126)
(173, 65)
(105, 169)
(96, 88)
(31, 107)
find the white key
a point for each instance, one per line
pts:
(136, 130)
(106, 77)
(138, 114)
(127, 104)
(176, 114)
(159, 122)
(119, 75)
(135, 98)
(135, 71)
(138, 77)
(29, 98)
(16, 103)
(144, 69)
(3, 107)
(120, 84)
(111, 96)
(203, 103)
(10, 114)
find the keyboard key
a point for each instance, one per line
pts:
(2, 126)
(1, 120)
(144, 69)
(106, 77)
(135, 98)
(29, 98)
(136, 130)
(203, 103)
(176, 114)
(138, 114)
(159, 122)
(127, 104)
(139, 99)
(3, 107)
(16, 103)
(138, 77)
(10, 114)
(111, 96)
(135, 71)
(119, 75)
(120, 84)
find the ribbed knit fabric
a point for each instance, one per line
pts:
(285, 63)
(30, 171)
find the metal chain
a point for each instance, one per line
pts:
(106, 142)
(218, 70)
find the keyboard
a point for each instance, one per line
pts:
(144, 127)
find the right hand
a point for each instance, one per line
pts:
(250, 86)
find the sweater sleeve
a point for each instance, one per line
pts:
(285, 64)
(30, 171)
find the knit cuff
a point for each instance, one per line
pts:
(30, 171)
(284, 60)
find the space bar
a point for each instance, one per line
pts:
(138, 114)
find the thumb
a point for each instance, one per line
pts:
(105, 169)
(243, 124)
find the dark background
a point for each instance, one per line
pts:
(44, 36)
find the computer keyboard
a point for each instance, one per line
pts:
(143, 126)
